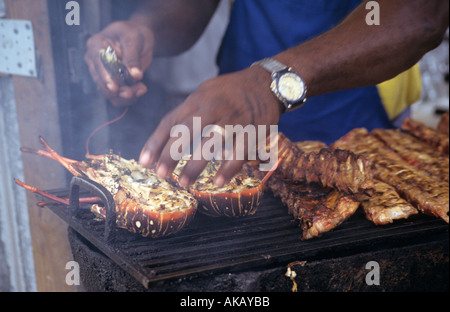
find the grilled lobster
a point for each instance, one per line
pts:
(238, 198)
(144, 203)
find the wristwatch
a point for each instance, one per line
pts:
(287, 85)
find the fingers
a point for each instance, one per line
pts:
(191, 171)
(99, 74)
(135, 52)
(127, 95)
(157, 141)
(177, 121)
(178, 134)
(227, 171)
(186, 138)
(229, 101)
(233, 164)
(119, 95)
(131, 55)
(194, 167)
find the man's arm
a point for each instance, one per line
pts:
(176, 24)
(157, 28)
(354, 54)
(351, 55)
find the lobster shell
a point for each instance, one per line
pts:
(241, 204)
(149, 222)
(136, 208)
(228, 203)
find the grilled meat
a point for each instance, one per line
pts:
(426, 194)
(385, 205)
(310, 146)
(333, 168)
(318, 210)
(435, 138)
(416, 152)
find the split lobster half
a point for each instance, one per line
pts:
(238, 198)
(144, 203)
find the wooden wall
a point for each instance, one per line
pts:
(37, 112)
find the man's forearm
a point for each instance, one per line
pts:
(354, 54)
(176, 24)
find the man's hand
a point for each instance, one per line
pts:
(241, 98)
(133, 44)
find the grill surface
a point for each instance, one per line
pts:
(213, 245)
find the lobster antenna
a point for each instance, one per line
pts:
(88, 154)
(274, 167)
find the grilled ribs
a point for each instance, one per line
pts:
(318, 210)
(426, 194)
(310, 146)
(385, 205)
(332, 168)
(435, 138)
(416, 152)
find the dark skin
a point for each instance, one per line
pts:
(144, 36)
(350, 55)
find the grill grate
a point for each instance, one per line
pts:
(213, 245)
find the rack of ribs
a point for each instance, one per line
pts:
(332, 168)
(317, 209)
(428, 195)
(435, 138)
(385, 205)
(416, 152)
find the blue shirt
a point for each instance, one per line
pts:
(263, 28)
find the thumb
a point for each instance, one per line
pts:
(131, 56)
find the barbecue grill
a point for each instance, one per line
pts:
(266, 242)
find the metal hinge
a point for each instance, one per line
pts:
(17, 49)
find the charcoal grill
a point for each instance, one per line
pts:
(208, 245)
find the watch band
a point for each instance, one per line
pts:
(271, 65)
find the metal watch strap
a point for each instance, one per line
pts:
(271, 65)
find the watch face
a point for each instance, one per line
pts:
(291, 87)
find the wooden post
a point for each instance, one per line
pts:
(37, 111)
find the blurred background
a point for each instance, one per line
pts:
(435, 99)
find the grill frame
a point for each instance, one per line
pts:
(216, 245)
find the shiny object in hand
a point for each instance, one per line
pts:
(115, 67)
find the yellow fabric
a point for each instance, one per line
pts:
(401, 91)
